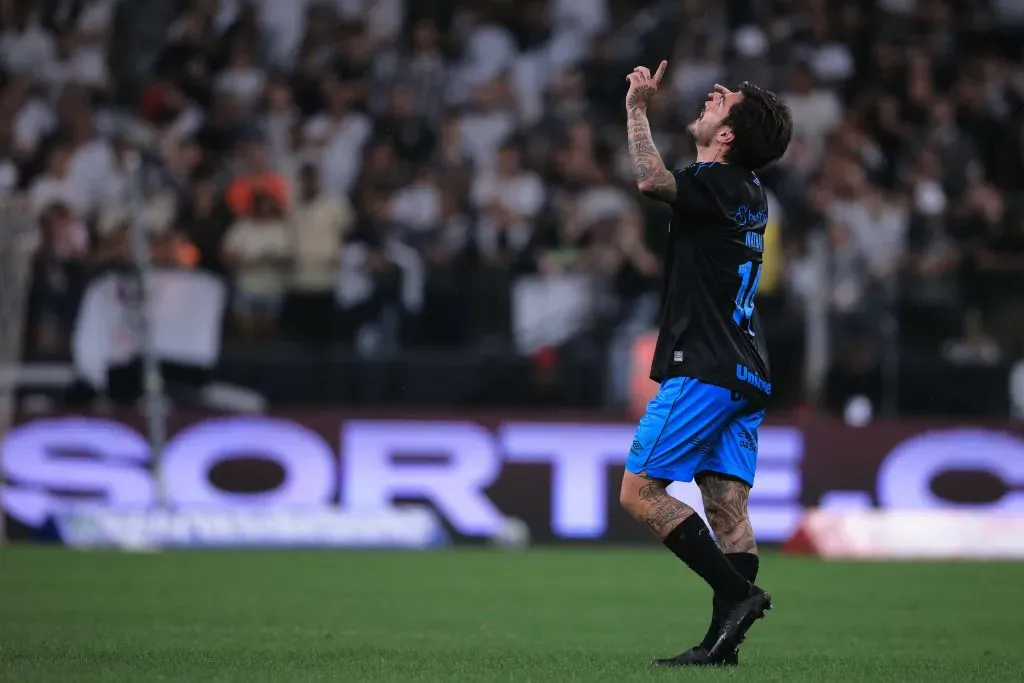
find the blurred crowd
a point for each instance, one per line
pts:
(382, 173)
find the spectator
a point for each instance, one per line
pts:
(380, 171)
(696, 67)
(975, 346)
(816, 111)
(9, 173)
(91, 166)
(451, 155)
(381, 283)
(91, 33)
(338, 136)
(258, 249)
(281, 118)
(415, 209)
(850, 278)
(204, 220)
(446, 319)
(421, 70)
(33, 117)
(1001, 272)
(409, 133)
(26, 48)
(58, 278)
(508, 199)
(57, 185)
(257, 178)
(319, 224)
(602, 200)
(70, 66)
(488, 125)
(223, 128)
(635, 272)
(483, 145)
(242, 80)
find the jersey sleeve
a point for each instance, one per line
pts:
(698, 188)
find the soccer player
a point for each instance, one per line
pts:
(710, 358)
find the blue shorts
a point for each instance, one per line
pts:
(692, 427)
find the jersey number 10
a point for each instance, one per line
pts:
(750, 276)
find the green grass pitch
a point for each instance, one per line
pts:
(479, 615)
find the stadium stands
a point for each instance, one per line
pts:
(425, 202)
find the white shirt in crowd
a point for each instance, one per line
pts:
(483, 133)
(242, 83)
(34, 121)
(277, 125)
(602, 203)
(815, 115)
(96, 15)
(48, 189)
(521, 195)
(93, 166)
(87, 64)
(830, 62)
(417, 206)
(586, 17)
(693, 79)
(283, 24)
(83, 67)
(253, 240)
(530, 78)
(879, 233)
(489, 50)
(8, 177)
(383, 18)
(341, 149)
(28, 52)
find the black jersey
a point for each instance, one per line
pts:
(709, 326)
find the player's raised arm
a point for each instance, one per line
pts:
(653, 179)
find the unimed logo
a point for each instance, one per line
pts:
(452, 465)
(745, 374)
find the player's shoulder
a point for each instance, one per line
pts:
(714, 173)
(727, 183)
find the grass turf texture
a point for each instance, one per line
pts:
(476, 615)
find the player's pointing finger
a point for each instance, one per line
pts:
(660, 72)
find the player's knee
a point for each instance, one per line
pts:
(629, 493)
(638, 492)
(627, 497)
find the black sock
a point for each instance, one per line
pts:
(692, 543)
(746, 564)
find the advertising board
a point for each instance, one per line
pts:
(559, 477)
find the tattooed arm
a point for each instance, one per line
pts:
(652, 178)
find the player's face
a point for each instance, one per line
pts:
(709, 123)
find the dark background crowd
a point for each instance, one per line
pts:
(380, 181)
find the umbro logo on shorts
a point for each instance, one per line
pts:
(636, 447)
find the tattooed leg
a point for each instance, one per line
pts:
(646, 499)
(725, 502)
